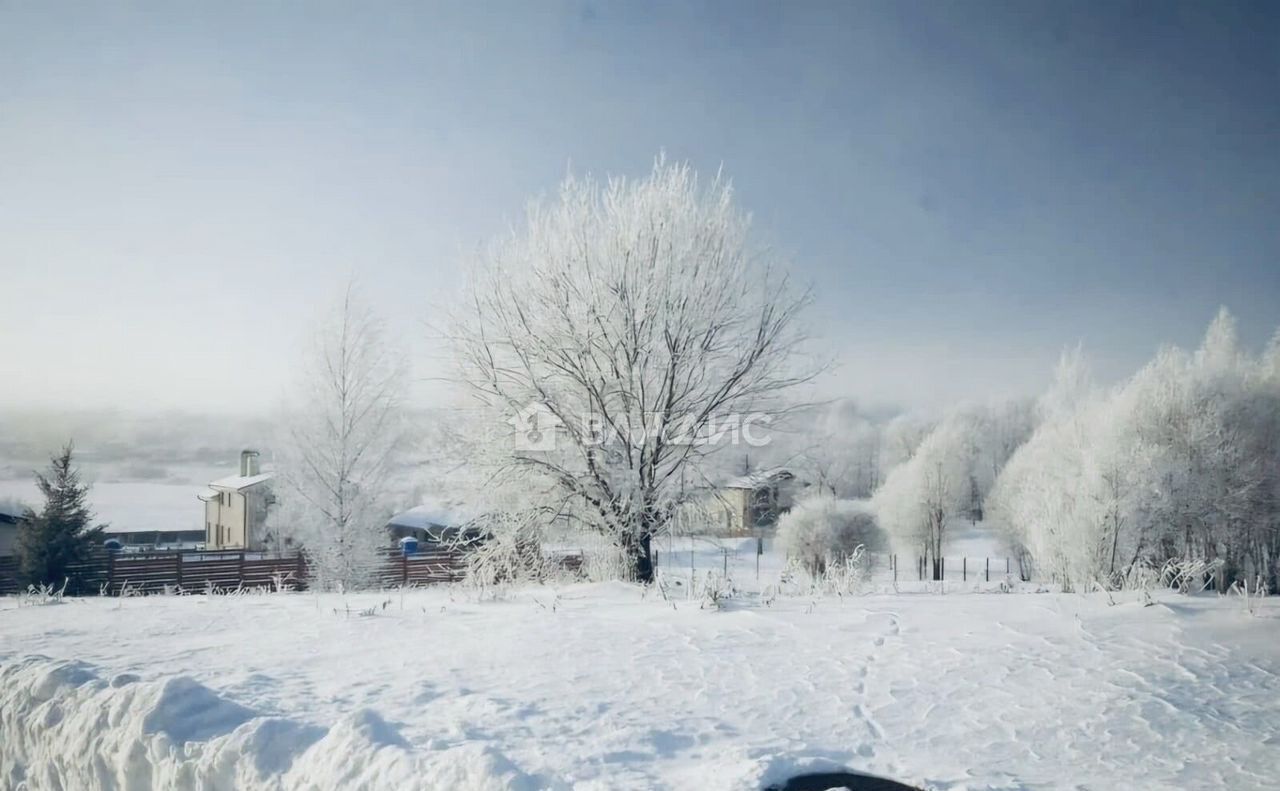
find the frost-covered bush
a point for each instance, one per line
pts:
(40, 595)
(822, 529)
(837, 576)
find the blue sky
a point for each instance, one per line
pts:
(968, 186)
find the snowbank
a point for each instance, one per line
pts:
(65, 727)
(608, 687)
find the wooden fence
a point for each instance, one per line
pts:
(8, 575)
(428, 566)
(112, 573)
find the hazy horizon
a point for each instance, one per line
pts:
(969, 188)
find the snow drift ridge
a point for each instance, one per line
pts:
(62, 726)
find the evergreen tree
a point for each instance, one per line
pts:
(59, 536)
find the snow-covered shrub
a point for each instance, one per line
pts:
(821, 529)
(606, 562)
(506, 559)
(714, 589)
(1250, 593)
(1189, 576)
(841, 576)
(837, 576)
(41, 595)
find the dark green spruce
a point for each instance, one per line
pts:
(59, 535)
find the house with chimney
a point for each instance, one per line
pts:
(751, 504)
(236, 508)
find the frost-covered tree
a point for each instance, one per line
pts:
(613, 338)
(821, 529)
(901, 438)
(343, 430)
(835, 447)
(948, 476)
(60, 534)
(1177, 463)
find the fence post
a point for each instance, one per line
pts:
(988, 569)
(179, 568)
(111, 571)
(964, 569)
(404, 569)
(302, 570)
(240, 573)
(1006, 565)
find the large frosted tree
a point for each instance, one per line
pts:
(343, 432)
(637, 320)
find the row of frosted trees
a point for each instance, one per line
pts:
(1092, 486)
(1179, 463)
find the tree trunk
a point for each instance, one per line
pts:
(639, 557)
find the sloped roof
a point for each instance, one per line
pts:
(238, 482)
(116, 530)
(435, 514)
(762, 478)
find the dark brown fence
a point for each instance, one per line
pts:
(156, 572)
(112, 573)
(8, 575)
(426, 567)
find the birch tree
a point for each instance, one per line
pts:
(639, 326)
(343, 432)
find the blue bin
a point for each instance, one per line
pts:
(408, 545)
(112, 545)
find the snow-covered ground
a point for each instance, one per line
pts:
(605, 686)
(975, 560)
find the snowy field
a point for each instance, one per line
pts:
(602, 686)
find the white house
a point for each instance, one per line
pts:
(752, 503)
(235, 507)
